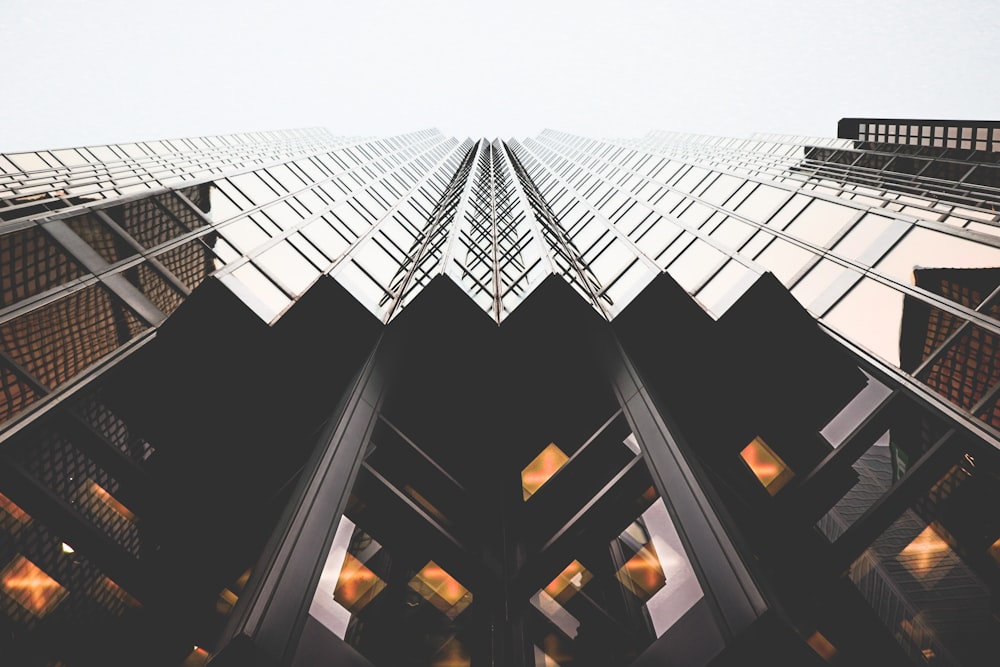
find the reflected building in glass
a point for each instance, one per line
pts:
(293, 399)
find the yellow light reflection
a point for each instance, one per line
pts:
(197, 658)
(10, 508)
(226, 601)
(357, 585)
(452, 654)
(426, 504)
(642, 574)
(924, 553)
(29, 586)
(569, 582)
(101, 494)
(441, 590)
(541, 469)
(995, 551)
(767, 466)
(113, 596)
(822, 646)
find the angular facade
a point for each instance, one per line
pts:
(288, 398)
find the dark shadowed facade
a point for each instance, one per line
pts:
(291, 399)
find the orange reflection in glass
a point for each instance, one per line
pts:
(113, 596)
(766, 465)
(924, 553)
(569, 581)
(995, 551)
(441, 590)
(226, 601)
(356, 585)
(541, 469)
(9, 508)
(452, 654)
(426, 504)
(822, 646)
(29, 586)
(101, 494)
(642, 574)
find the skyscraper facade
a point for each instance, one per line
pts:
(288, 398)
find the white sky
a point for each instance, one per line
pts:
(101, 71)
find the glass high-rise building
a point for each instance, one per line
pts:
(288, 398)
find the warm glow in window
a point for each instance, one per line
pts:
(357, 585)
(542, 469)
(112, 596)
(924, 553)
(822, 646)
(29, 586)
(101, 495)
(642, 574)
(569, 581)
(12, 517)
(226, 601)
(766, 465)
(452, 654)
(995, 551)
(424, 503)
(441, 590)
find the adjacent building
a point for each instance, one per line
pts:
(288, 398)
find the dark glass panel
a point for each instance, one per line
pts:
(60, 339)
(30, 263)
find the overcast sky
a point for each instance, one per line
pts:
(101, 71)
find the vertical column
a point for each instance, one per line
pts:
(266, 630)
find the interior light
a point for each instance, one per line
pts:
(115, 598)
(10, 507)
(643, 574)
(102, 495)
(822, 646)
(767, 466)
(67, 549)
(29, 586)
(441, 589)
(924, 553)
(357, 585)
(569, 581)
(542, 468)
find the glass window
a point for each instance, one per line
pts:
(57, 341)
(761, 203)
(244, 234)
(856, 411)
(99, 236)
(870, 238)
(721, 189)
(326, 239)
(870, 315)
(726, 287)
(786, 213)
(934, 249)
(784, 259)
(820, 222)
(256, 291)
(827, 279)
(541, 469)
(732, 233)
(31, 263)
(931, 575)
(772, 473)
(251, 186)
(288, 267)
(695, 264)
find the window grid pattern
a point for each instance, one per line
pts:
(842, 224)
(150, 251)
